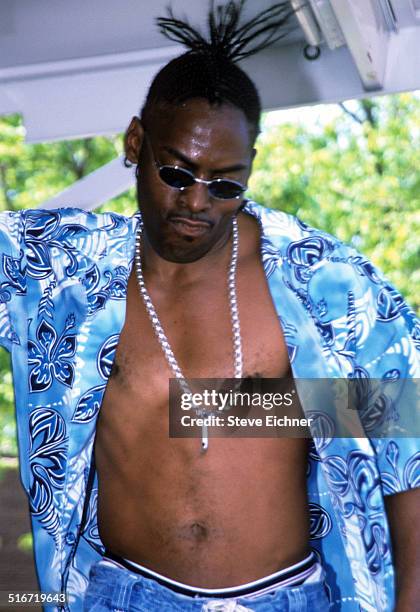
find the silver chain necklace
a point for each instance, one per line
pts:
(161, 336)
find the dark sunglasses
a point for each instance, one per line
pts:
(181, 178)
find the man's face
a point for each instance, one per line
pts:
(210, 141)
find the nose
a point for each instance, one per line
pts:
(196, 198)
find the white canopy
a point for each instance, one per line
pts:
(83, 67)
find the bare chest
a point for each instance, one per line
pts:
(197, 323)
(166, 487)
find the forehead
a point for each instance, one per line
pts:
(203, 131)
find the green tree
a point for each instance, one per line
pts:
(355, 177)
(33, 173)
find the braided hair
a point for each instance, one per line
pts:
(208, 69)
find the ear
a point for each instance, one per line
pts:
(133, 140)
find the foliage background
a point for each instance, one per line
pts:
(355, 175)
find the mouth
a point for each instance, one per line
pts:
(187, 227)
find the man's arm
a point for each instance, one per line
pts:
(403, 516)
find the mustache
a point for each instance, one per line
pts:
(188, 216)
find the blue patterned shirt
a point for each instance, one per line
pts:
(63, 282)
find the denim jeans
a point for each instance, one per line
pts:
(118, 590)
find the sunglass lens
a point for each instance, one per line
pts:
(176, 177)
(225, 190)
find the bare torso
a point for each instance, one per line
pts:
(235, 513)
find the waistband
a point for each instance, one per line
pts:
(291, 576)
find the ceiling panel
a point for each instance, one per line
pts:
(82, 67)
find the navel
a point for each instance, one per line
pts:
(198, 532)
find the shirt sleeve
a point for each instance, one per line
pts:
(387, 368)
(12, 278)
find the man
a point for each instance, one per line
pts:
(172, 524)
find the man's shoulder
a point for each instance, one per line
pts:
(39, 237)
(309, 252)
(68, 215)
(61, 223)
(287, 230)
